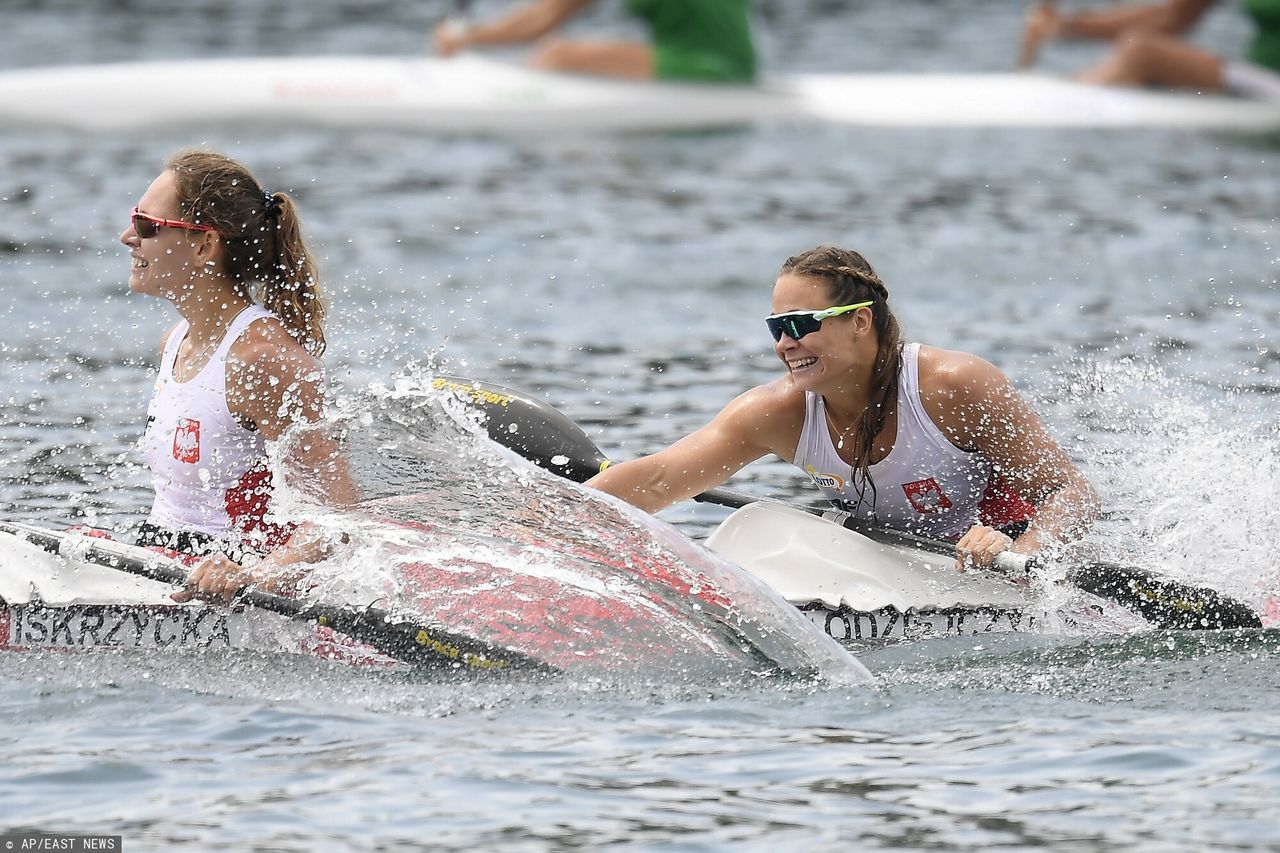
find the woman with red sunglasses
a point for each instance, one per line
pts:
(921, 439)
(238, 369)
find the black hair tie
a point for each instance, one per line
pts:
(271, 204)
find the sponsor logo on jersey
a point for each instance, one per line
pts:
(186, 440)
(834, 482)
(926, 496)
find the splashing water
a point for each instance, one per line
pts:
(461, 533)
(1195, 485)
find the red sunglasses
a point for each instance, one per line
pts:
(147, 226)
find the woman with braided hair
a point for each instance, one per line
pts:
(239, 367)
(917, 438)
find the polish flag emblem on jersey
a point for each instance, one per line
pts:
(186, 441)
(927, 496)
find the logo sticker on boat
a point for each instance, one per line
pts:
(889, 623)
(114, 626)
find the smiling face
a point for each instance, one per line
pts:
(843, 347)
(167, 264)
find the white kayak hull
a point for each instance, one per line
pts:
(472, 94)
(858, 589)
(52, 602)
(808, 558)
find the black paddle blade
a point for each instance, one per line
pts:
(530, 427)
(425, 646)
(1165, 603)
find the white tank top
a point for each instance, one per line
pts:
(926, 485)
(209, 472)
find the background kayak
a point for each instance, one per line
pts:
(477, 94)
(1124, 279)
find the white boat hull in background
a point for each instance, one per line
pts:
(472, 94)
(463, 95)
(1018, 100)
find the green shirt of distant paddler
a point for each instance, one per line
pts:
(699, 39)
(1265, 49)
(693, 40)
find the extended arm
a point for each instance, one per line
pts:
(745, 430)
(1172, 17)
(524, 23)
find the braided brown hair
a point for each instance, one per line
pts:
(851, 279)
(261, 237)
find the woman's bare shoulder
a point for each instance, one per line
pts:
(768, 416)
(164, 340)
(267, 346)
(954, 373)
(774, 398)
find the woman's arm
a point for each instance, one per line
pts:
(218, 577)
(522, 24)
(1173, 17)
(274, 385)
(754, 424)
(977, 407)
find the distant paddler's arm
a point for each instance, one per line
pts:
(1172, 17)
(669, 476)
(698, 462)
(522, 24)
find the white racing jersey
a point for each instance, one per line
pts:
(926, 485)
(209, 472)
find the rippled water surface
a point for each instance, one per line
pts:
(1125, 280)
